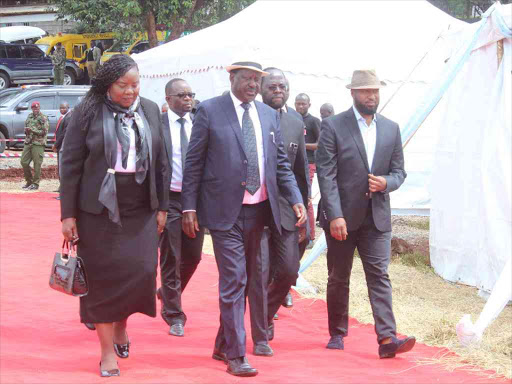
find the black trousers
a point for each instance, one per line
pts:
(374, 248)
(239, 260)
(284, 265)
(179, 258)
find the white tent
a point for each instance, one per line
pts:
(471, 212)
(318, 44)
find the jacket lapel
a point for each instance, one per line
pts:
(356, 135)
(265, 124)
(379, 142)
(167, 139)
(229, 110)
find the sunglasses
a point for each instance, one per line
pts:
(184, 94)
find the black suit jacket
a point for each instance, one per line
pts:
(216, 164)
(292, 130)
(342, 166)
(294, 113)
(84, 164)
(61, 132)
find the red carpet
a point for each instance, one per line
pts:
(42, 340)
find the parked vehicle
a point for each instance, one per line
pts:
(21, 34)
(140, 45)
(15, 108)
(27, 64)
(75, 45)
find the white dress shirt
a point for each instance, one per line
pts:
(261, 194)
(177, 167)
(369, 133)
(132, 154)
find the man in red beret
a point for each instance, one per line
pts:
(36, 129)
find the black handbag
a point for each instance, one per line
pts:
(68, 272)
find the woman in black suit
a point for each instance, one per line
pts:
(114, 196)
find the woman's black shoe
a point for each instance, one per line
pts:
(109, 372)
(123, 350)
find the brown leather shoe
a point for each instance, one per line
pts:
(218, 355)
(263, 350)
(241, 367)
(288, 301)
(387, 351)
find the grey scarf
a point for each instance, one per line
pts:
(116, 129)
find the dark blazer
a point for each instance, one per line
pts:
(343, 169)
(294, 113)
(61, 132)
(166, 134)
(216, 164)
(84, 164)
(292, 130)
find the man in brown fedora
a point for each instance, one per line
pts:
(235, 171)
(360, 161)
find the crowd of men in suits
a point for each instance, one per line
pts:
(243, 169)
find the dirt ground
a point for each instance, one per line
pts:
(425, 305)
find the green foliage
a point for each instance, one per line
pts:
(468, 10)
(127, 18)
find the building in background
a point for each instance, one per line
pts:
(34, 13)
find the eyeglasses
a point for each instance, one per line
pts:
(184, 94)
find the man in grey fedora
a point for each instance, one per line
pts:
(359, 162)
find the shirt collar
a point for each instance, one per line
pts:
(173, 117)
(237, 102)
(359, 117)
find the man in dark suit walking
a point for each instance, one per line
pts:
(360, 161)
(283, 247)
(236, 169)
(179, 254)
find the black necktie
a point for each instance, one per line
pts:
(251, 151)
(184, 143)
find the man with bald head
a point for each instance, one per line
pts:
(283, 246)
(326, 110)
(60, 131)
(236, 169)
(179, 254)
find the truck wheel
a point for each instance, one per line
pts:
(4, 81)
(69, 77)
(3, 144)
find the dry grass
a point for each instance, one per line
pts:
(429, 307)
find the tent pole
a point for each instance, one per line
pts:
(410, 74)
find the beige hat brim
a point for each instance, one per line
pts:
(368, 86)
(230, 68)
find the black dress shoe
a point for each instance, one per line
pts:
(218, 355)
(241, 367)
(123, 350)
(177, 330)
(396, 346)
(288, 301)
(33, 187)
(336, 342)
(109, 372)
(263, 350)
(90, 326)
(26, 186)
(270, 331)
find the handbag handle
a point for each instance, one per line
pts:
(68, 250)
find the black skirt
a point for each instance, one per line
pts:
(121, 262)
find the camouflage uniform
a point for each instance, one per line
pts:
(59, 65)
(36, 129)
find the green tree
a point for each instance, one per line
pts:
(467, 10)
(131, 17)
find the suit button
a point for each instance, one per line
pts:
(243, 183)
